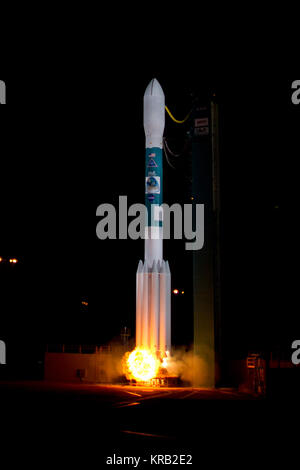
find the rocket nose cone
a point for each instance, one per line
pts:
(154, 89)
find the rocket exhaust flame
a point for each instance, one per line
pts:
(143, 365)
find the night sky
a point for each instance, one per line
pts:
(68, 145)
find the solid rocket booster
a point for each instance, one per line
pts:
(153, 292)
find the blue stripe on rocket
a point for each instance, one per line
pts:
(153, 182)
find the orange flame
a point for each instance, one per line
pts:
(141, 365)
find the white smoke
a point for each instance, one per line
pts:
(189, 367)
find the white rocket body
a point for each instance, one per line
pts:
(153, 292)
(154, 125)
(154, 114)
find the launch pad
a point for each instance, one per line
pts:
(158, 382)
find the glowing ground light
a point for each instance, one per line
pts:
(141, 365)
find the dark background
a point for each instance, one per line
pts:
(73, 139)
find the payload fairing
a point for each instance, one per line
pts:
(153, 279)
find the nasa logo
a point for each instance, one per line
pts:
(296, 93)
(153, 184)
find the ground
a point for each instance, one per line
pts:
(84, 424)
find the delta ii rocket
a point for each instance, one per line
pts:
(153, 279)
